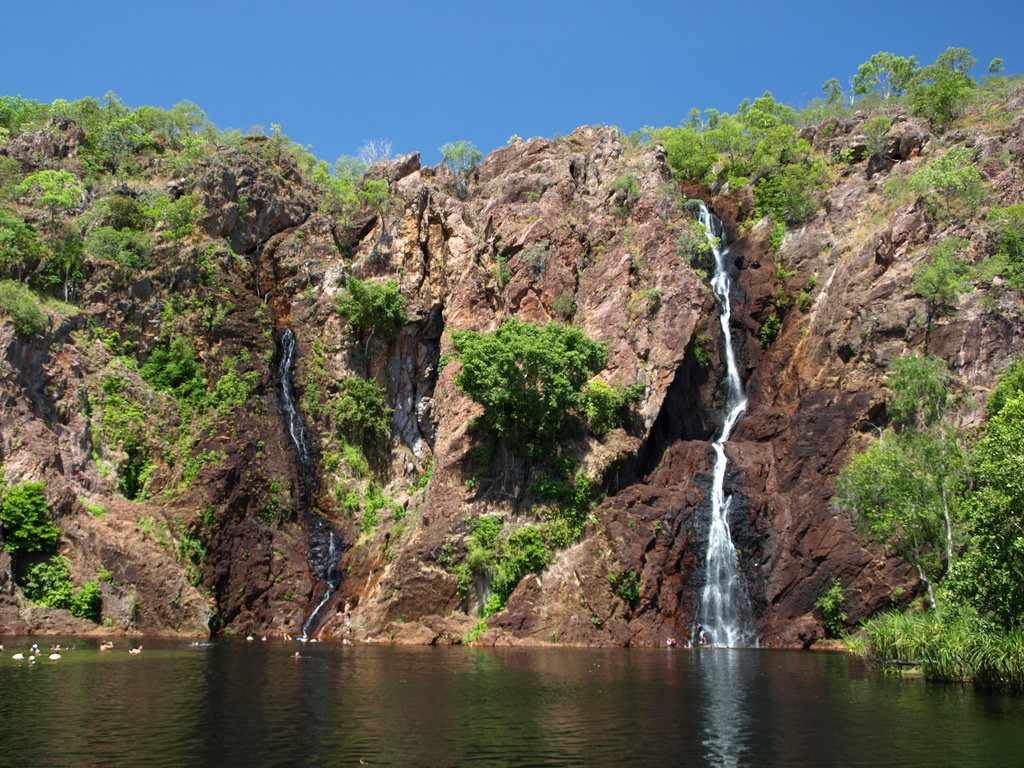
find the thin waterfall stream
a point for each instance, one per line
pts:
(724, 609)
(323, 548)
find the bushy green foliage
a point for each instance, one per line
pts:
(1011, 382)
(173, 367)
(886, 74)
(945, 88)
(949, 179)
(18, 114)
(22, 306)
(129, 249)
(373, 307)
(460, 156)
(180, 216)
(831, 606)
(374, 500)
(625, 193)
(608, 407)
(338, 184)
(942, 279)
(758, 145)
(87, 603)
(56, 190)
(361, 415)
(990, 573)
(875, 131)
(770, 330)
(124, 425)
(907, 488)
(20, 249)
(233, 389)
(625, 585)
(125, 212)
(529, 380)
(482, 544)
(1006, 233)
(698, 347)
(48, 583)
(26, 519)
(376, 194)
(525, 552)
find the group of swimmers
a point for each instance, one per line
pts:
(34, 652)
(701, 639)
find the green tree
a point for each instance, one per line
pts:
(833, 95)
(906, 489)
(361, 416)
(26, 519)
(17, 114)
(461, 157)
(990, 574)
(951, 177)
(942, 279)
(831, 606)
(173, 367)
(946, 88)
(1006, 238)
(49, 583)
(529, 380)
(608, 407)
(22, 306)
(56, 191)
(1011, 382)
(377, 195)
(371, 307)
(885, 74)
(875, 131)
(20, 249)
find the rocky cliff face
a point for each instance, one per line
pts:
(222, 537)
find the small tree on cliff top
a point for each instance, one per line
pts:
(460, 156)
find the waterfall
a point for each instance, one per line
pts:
(323, 549)
(723, 604)
(296, 428)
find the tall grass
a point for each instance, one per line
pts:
(951, 647)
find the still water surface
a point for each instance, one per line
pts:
(233, 703)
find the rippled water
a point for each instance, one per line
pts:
(253, 704)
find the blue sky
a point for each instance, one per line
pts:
(335, 74)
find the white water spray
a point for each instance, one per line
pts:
(723, 605)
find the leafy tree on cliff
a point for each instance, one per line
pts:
(946, 88)
(529, 379)
(990, 575)
(886, 74)
(907, 488)
(26, 519)
(20, 249)
(1006, 235)
(460, 156)
(370, 307)
(950, 178)
(942, 279)
(56, 191)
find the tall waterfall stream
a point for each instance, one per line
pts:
(724, 609)
(323, 549)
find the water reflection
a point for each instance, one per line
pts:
(726, 716)
(238, 704)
